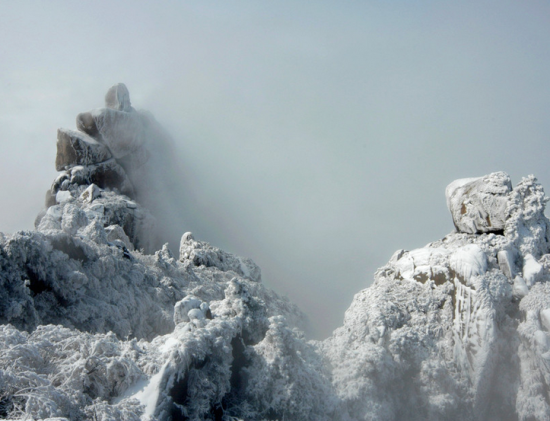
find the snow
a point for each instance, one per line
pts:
(148, 391)
(520, 287)
(532, 270)
(63, 196)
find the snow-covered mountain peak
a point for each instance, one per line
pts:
(456, 329)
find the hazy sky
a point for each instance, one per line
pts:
(316, 137)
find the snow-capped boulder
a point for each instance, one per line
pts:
(422, 264)
(479, 204)
(92, 192)
(183, 307)
(63, 196)
(115, 232)
(520, 288)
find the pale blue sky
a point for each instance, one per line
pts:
(316, 137)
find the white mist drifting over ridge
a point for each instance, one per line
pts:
(315, 139)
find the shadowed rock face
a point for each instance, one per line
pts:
(77, 148)
(479, 205)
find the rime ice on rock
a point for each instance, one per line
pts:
(200, 253)
(76, 148)
(108, 152)
(459, 329)
(479, 204)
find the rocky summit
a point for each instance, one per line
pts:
(101, 321)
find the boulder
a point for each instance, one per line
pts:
(118, 98)
(86, 124)
(532, 270)
(90, 193)
(478, 205)
(76, 148)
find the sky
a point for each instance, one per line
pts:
(314, 137)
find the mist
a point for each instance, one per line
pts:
(316, 139)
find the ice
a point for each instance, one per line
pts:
(506, 263)
(149, 391)
(520, 287)
(479, 204)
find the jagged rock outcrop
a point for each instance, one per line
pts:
(457, 329)
(111, 150)
(93, 327)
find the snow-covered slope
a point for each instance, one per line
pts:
(100, 321)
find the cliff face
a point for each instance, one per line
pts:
(99, 321)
